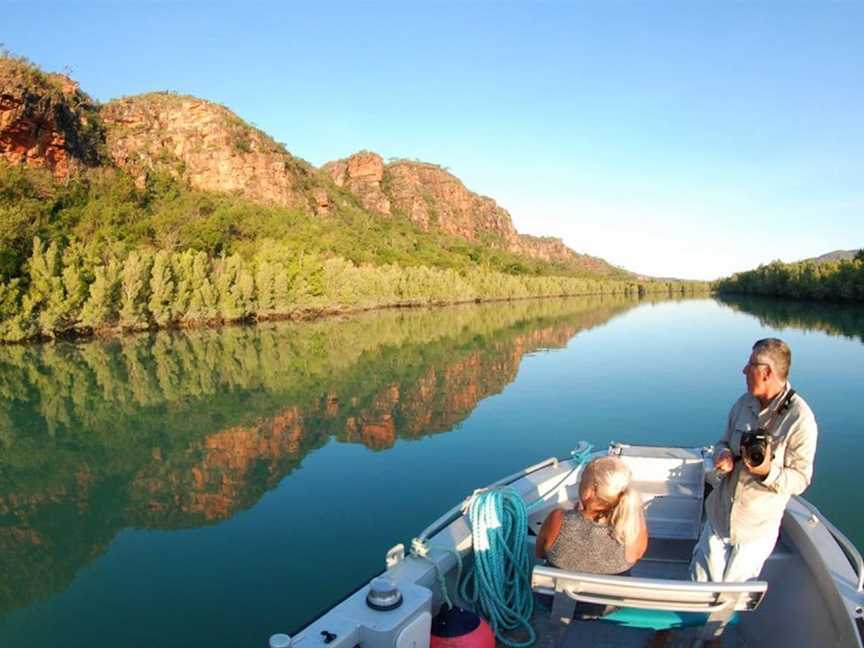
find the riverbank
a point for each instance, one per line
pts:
(832, 281)
(65, 294)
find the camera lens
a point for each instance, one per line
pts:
(756, 456)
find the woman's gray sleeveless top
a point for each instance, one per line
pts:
(586, 546)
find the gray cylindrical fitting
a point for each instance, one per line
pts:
(383, 594)
(280, 641)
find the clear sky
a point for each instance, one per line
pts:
(689, 139)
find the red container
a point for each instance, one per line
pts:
(458, 628)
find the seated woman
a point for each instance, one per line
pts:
(606, 532)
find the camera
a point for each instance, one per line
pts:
(754, 447)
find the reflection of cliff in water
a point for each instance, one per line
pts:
(833, 319)
(179, 429)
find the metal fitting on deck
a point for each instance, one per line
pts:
(280, 641)
(383, 594)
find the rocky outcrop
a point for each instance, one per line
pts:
(431, 197)
(426, 194)
(550, 248)
(208, 146)
(362, 175)
(45, 120)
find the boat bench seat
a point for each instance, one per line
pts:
(711, 605)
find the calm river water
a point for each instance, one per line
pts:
(210, 488)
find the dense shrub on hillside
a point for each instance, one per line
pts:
(100, 253)
(833, 281)
(73, 289)
(105, 207)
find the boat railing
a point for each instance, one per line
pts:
(456, 512)
(845, 543)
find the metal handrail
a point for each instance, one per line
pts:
(684, 606)
(648, 593)
(654, 584)
(846, 545)
(456, 512)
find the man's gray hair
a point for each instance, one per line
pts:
(777, 352)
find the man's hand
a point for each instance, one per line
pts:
(762, 469)
(723, 462)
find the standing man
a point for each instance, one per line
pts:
(757, 477)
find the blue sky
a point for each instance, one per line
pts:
(689, 139)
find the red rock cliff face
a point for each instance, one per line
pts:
(207, 145)
(431, 197)
(362, 175)
(45, 120)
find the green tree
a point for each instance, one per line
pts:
(134, 285)
(204, 300)
(161, 289)
(42, 307)
(235, 287)
(102, 306)
(13, 326)
(182, 266)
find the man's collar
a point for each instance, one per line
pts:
(774, 405)
(757, 408)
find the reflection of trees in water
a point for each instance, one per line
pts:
(176, 429)
(833, 319)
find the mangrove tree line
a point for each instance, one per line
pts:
(830, 281)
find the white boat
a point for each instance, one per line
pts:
(810, 593)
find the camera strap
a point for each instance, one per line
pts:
(780, 411)
(785, 404)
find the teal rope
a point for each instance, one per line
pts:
(500, 581)
(498, 585)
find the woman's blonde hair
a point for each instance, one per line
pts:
(609, 480)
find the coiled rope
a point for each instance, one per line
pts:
(498, 585)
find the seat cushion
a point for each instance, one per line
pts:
(658, 619)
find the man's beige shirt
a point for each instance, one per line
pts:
(743, 507)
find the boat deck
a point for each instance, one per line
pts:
(808, 593)
(594, 634)
(665, 558)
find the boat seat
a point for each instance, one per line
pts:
(671, 482)
(711, 605)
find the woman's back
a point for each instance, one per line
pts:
(586, 546)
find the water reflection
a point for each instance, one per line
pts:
(834, 319)
(181, 429)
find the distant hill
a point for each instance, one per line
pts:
(47, 122)
(163, 210)
(836, 255)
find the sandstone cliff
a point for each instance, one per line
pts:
(424, 193)
(45, 120)
(205, 144)
(429, 196)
